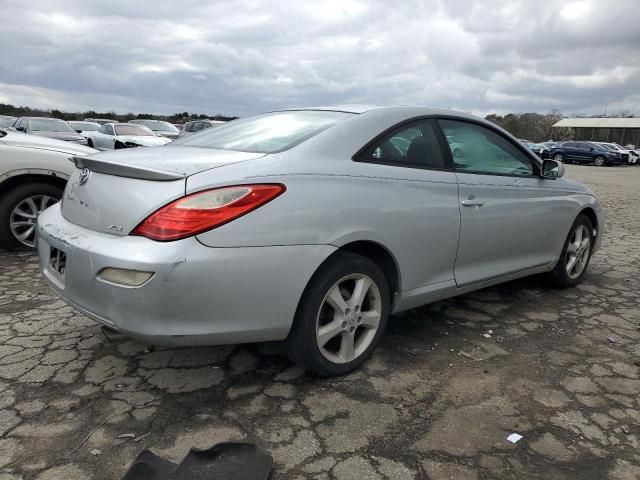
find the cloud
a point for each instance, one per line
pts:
(243, 57)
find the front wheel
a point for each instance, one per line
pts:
(341, 317)
(575, 255)
(599, 161)
(558, 157)
(19, 210)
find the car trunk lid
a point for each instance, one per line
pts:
(114, 192)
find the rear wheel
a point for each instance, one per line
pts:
(599, 161)
(19, 210)
(341, 317)
(575, 255)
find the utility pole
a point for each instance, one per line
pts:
(605, 109)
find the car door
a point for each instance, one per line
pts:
(105, 137)
(509, 216)
(417, 189)
(569, 151)
(99, 137)
(583, 152)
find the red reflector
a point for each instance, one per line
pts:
(202, 211)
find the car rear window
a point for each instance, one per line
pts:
(45, 125)
(268, 133)
(133, 129)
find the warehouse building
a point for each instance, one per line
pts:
(624, 131)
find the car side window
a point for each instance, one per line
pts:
(477, 149)
(108, 130)
(188, 127)
(414, 145)
(102, 130)
(197, 126)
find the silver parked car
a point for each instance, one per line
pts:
(196, 126)
(159, 127)
(310, 226)
(48, 127)
(6, 121)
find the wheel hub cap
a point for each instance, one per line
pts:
(348, 318)
(578, 249)
(24, 216)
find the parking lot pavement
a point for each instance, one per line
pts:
(437, 400)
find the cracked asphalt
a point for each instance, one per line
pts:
(437, 400)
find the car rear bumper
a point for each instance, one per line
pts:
(197, 295)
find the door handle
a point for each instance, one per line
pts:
(472, 203)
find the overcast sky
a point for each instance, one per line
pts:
(248, 56)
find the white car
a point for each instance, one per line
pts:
(33, 173)
(123, 135)
(82, 126)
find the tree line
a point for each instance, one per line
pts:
(7, 109)
(532, 126)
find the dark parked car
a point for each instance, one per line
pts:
(631, 155)
(48, 127)
(586, 152)
(197, 125)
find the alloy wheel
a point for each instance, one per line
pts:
(578, 250)
(348, 318)
(24, 215)
(557, 157)
(599, 161)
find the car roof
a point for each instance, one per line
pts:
(43, 118)
(408, 110)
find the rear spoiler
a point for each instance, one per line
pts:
(125, 170)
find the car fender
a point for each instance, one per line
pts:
(577, 203)
(15, 160)
(33, 171)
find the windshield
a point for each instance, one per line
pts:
(158, 126)
(6, 121)
(268, 133)
(45, 125)
(85, 126)
(133, 129)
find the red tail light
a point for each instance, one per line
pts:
(202, 211)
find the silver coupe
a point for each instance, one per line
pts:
(310, 226)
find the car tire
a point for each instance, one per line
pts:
(90, 143)
(350, 333)
(563, 275)
(558, 157)
(41, 194)
(599, 161)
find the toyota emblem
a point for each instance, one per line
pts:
(84, 176)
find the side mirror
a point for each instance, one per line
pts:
(79, 131)
(591, 149)
(552, 169)
(20, 129)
